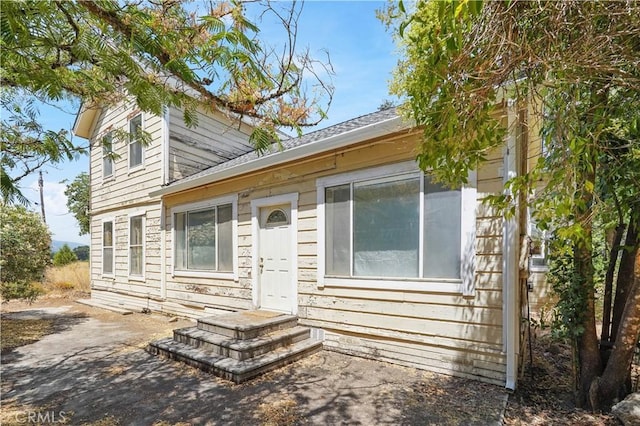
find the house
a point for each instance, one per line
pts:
(339, 227)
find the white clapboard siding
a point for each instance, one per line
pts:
(445, 332)
(213, 141)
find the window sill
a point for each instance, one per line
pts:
(108, 179)
(410, 284)
(135, 169)
(138, 278)
(205, 274)
(539, 269)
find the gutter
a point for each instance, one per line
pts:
(341, 140)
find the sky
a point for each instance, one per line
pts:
(361, 52)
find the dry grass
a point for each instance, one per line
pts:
(20, 332)
(71, 279)
(284, 412)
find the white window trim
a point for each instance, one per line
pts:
(213, 202)
(143, 215)
(532, 267)
(130, 142)
(113, 247)
(291, 198)
(112, 176)
(464, 285)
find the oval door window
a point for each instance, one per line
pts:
(277, 217)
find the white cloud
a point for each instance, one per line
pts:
(61, 222)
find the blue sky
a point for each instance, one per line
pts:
(363, 56)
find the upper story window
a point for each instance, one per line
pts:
(136, 151)
(395, 223)
(107, 156)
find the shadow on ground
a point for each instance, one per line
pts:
(93, 369)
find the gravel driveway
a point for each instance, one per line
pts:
(93, 369)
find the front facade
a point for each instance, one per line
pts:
(339, 228)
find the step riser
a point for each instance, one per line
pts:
(249, 333)
(240, 355)
(236, 377)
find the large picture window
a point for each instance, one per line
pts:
(136, 153)
(391, 223)
(373, 229)
(107, 248)
(204, 239)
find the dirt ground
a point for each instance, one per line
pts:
(545, 391)
(83, 365)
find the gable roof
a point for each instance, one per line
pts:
(347, 133)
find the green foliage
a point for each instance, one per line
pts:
(25, 252)
(473, 70)
(26, 145)
(78, 197)
(82, 252)
(162, 54)
(64, 256)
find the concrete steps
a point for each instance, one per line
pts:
(240, 345)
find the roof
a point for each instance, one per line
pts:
(349, 132)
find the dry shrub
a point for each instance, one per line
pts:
(73, 277)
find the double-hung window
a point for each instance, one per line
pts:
(538, 246)
(136, 151)
(107, 248)
(393, 223)
(136, 246)
(205, 237)
(107, 156)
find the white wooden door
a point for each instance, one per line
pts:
(274, 263)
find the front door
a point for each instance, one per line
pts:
(274, 262)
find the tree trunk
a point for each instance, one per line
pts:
(611, 386)
(589, 360)
(608, 282)
(625, 273)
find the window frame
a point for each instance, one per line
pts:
(107, 157)
(133, 141)
(113, 246)
(531, 224)
(142, 216)
(397, 171)
(199, 206)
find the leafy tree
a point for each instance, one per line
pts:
(26, 145)
(25, 252)
(82, 252)
(575, 63)
(164, 53)
(64, 256)
(158, 54)
(78, 197)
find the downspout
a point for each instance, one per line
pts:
(163, 249)
(510, 304)
(165, 178)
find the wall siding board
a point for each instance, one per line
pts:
(444, 332)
